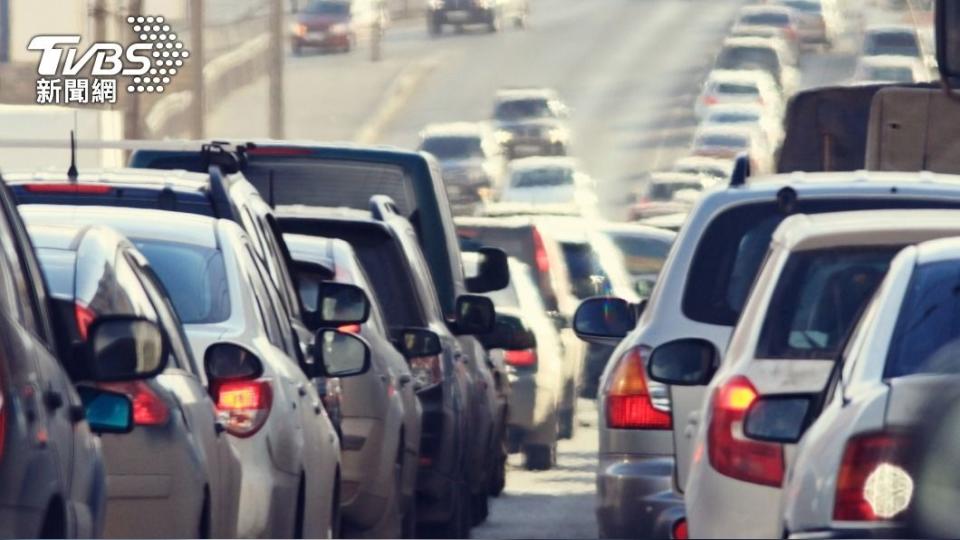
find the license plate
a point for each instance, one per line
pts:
(319, 36)
(458, 16)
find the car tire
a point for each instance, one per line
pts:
(498, 476)
(479, 507)
(539, 457)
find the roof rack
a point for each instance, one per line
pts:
(741, 171)
(381, 206)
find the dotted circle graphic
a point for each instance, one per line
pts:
(167, 51)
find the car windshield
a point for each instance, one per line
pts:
(643, 255)
(520, 109)
(818, 298)
(453, 147)
(749, 58)
(195, 278)
(766, 19)
(327, 7)
(544, 177)
(893, 43)
(927, 336)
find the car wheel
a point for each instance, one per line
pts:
(498, 476)
(539, 457)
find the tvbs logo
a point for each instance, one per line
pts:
(150, 62)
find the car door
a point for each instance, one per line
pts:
(223, 462)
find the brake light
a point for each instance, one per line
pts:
(873, 484)
(426, 371)
(731, 453)
(680, 530)
(79, 189)
(629, 402)
(540, 253)
(244, 405)
(274, 151)
(148, 408)
(710, 99)
(524, 358)
(84, 317)
(349, 328)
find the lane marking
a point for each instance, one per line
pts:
(396, 97)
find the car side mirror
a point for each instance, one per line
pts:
(493, 273)
(475, 315)
(779, 419)
(123, 348)
(106, 411)
(339, 354)
(947, 22)
(341, 303)
(418, 343)
(510, 334)
(604, 320)
(685, 362)
(227, 361)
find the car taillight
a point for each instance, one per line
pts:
(524, 358)
(79, 189)
(629, 401)
(731, 453)
(350, 328)
(710, 99)
(148, 408)
(680, 530)
(426, 371)
(540, 253)
(873, 484)
(244, 405)
(84, 316)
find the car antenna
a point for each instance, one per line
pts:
(72, 171)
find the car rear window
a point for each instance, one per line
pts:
(328, 7)
(518, 109)
(731, 249)
(663, 191)
(545, 177)
(749, 58)
(733, 117)
(766, 19)
(895, 43)
(587, 276)
(725, 141)
(453, 147)
(895, 74)
(195, 278)
(927, 336)
(805, 6)
(818, 298)
(734, 89)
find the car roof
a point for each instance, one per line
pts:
(455, 129)
(754, 76)
(750, 41)
(864, 227)
(140, 223)
(312, 249)
(636, 229)
(178, 180)
(704, 161)
(735, 108)
(664, 177)
(510, 94)
(537, 162)
(943, 249)
(725, 129)
(340, 213)
(890, 29)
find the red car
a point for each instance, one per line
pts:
(336, 25)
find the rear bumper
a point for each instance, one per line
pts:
(324, 39)
(635, 497)
(464, 15)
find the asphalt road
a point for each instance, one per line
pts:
(629, 69)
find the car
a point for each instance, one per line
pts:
(456, 446)
(644, 458)
(729, 141)
(753, 53)
(471, 161)
(336, 24)
(381, 412)
(230, 309)
(782, 20)
(459, 13)
(890, 69)
(819, 274)
(746, 114)
(95, 273)
(887, 374)
(537, 374)
(818, 21)
(56, 489)
(644, 251)
(521, 238)
(740, 86)
(550, 181)
(532, 121)
(658, 195)
(892, 40)
(717, 168)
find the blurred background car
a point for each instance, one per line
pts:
(729, 141)
(717, 168)
(769, 21)
(817, 21)
(337, 25)
(760, 54)
(890, 69)
(550, 181)
(644, 251)
(490, 13)
(532, 121)
(749, 115)
(740, 86)
(471, 161)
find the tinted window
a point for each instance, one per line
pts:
(453, 147)
(733, 117)
(587, 276)
(726, 141)
(737, 89)
(927, 336)
(766, 19)
(168, 318)
(523, 108)
(895, 74)
(642, 255)
(326, 7)
(388, 272)
(805, 6)
(818, 298)
(730, 251)
(749, 58)
(195, 278)
(895, 43)
(546, 177)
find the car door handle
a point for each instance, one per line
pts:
(404, 379)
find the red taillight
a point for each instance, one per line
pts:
(524, 358)
(628, 401)
(350, 328)
(873, 484)
(731, 453)
(426, 370)
(244, 405)
(84, 317)
(680, 530)
(710, 99)
(270, 151)
(148, 408)
(80, 189)
(540, 253)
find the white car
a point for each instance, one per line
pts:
(729, 141)
(740, 86)
(746, 114)
(717, 168)
(852, 473)
(552, 181)
(819, 273)
(276, 422)
(891, 69)
(764, 54)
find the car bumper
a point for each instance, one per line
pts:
(322, 39)
(635, 497)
